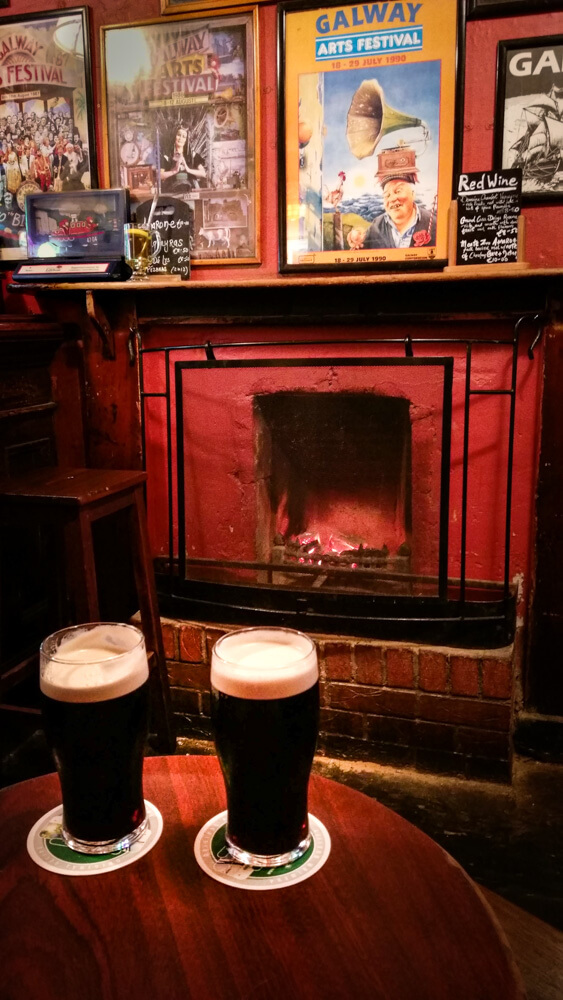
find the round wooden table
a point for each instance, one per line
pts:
(390, 915)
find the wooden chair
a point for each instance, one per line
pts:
(71, 500)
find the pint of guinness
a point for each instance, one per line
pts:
(94, 696)
(265, 710)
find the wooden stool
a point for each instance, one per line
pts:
(72, 499)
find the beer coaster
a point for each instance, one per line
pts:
(47, 848)
(211, 853)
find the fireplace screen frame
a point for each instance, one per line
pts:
(448, 617)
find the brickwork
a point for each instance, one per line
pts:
(442, 710)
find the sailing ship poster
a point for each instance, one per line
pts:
(368, 123)
(529, 114)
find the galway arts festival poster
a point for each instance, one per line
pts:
(180, 114)
(369, 96)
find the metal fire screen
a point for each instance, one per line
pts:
(287, 572)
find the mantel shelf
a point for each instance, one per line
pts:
(313, 300)
(158, 283)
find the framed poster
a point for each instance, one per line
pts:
(529, 114)
(180, 118)
(47, 138)
(505, 8)
(187, 6)
(369, 129)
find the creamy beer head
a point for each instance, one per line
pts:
(264, 663)
(93, 663)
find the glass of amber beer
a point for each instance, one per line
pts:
(94, 697)
(138, 248)
(265, 711)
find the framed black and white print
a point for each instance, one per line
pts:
(529, 114)
(477, 9)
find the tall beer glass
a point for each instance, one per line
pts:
(265, 710)
(94, 696)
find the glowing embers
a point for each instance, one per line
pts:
(332, 557)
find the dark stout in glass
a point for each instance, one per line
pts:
(98, 749)
(265, 708)
(94, 691)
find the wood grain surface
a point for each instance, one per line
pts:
(159, 282)
(390, 915)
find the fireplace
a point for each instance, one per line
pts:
(334, 488)
(356, 488)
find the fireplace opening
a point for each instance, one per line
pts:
(323, 493)
(334, 480)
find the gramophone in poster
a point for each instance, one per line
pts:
(368, 122)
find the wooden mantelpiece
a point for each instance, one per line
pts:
(305, 299)
(381, 278)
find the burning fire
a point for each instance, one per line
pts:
(311, 548)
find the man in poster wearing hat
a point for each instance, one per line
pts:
(403, 223)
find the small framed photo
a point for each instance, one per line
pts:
(47, 134)
(369, 133)
(180, 122)
(77, 224)
(529, 115)
(506, 8)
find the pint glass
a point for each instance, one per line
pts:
(94, 698)
(265, 710)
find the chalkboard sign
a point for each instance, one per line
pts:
(488, 207)
(172, 219)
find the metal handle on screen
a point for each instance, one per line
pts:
(538, 321)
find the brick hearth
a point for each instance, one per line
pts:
(433, 708)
